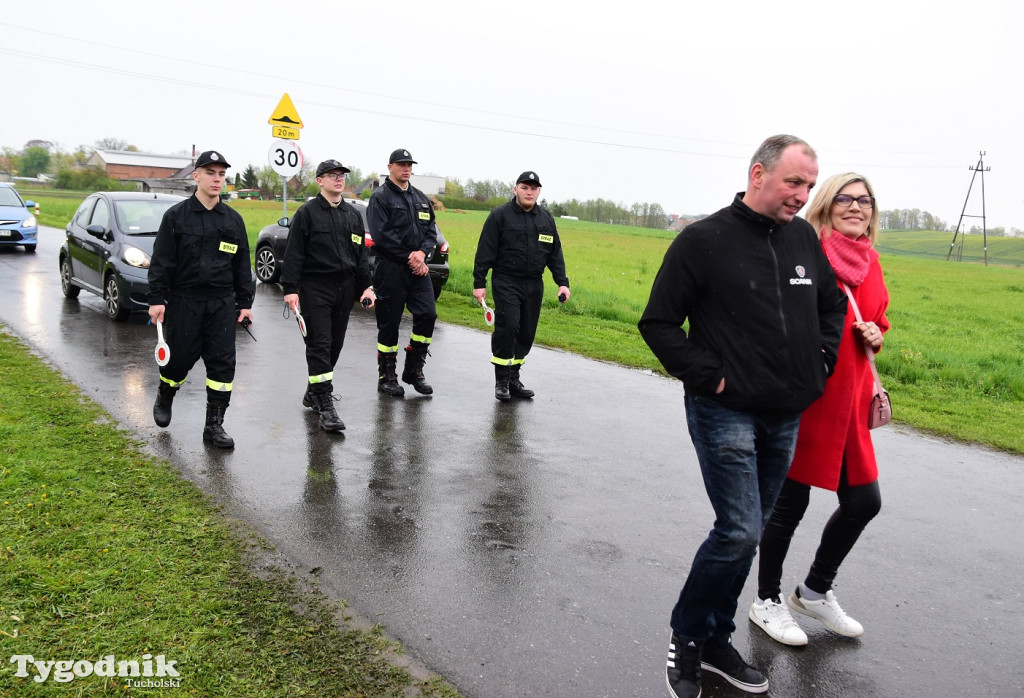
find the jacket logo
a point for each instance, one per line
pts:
(228, 247)
(801, 272)
(357, 240)
(424, 216)
(546, 238)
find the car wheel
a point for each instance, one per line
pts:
(66, 287)
(30, 248)
(112, 296)
(268, 270)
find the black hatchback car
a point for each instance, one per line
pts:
(272, 240)
(108, 247)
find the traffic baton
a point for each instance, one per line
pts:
(488, 313)
(285, 313)
(162, 353)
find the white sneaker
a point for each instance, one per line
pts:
(828, 611)
(775, 619)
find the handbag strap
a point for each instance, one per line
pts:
(867, 350)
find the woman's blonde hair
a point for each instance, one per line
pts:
(818, 214)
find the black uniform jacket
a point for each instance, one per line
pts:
(519, 243)
(326, 243)
(401, 222)
(201, 253)
(763, 307)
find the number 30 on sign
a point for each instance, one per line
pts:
(285, 157)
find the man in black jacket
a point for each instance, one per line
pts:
(401, 222)
(765, 318)
(325, 265)
(200, 285)
(518, 242)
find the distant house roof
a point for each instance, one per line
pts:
(132, 159)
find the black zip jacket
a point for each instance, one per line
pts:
(763, 306)
(201, 253)
(325, 243)
(519, 243)
(401, 222)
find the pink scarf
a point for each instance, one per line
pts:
(850, 258)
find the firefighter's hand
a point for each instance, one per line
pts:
(480, 294)
(368, 296)
(563, 291)
(417, 263)
(292, 301)
(156, 313)
(244, 313)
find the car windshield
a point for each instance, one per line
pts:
(9, 197)
(140, 217)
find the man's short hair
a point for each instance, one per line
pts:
(769, 152)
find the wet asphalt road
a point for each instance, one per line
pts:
(536, 548)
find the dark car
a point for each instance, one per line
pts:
(270, 246)
(108, 247)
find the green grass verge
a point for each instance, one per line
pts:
(104, 550)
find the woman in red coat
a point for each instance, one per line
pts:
(834, 449)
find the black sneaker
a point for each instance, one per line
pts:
(721, 657)
(683, 672)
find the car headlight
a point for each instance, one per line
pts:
(135, 257)
(29, 222)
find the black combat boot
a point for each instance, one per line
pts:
(214, 433)
(329, 419)
(501, 374)
(415, 356)
(515, 386)
(307, 399)
(162, 406)
(387, 374)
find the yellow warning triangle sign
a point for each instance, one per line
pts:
(285, 114)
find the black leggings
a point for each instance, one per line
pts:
(857, 506)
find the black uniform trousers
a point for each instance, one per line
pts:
(204, 328)
(517, 302)
(397, 287)
(326, 306)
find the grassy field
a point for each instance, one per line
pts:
(952, 362)
(105, 551)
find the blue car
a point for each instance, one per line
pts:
(17, 225)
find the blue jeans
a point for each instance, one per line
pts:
(744, 458)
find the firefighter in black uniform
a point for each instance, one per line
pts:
(517, 242)
(401, 222)
(325, 265)
(200, 286)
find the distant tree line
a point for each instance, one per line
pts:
(487, 194)
(910, 219)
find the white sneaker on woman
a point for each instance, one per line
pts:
(828, 611)
(773, 617)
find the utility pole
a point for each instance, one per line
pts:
(980, 167)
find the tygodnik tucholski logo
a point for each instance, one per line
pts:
(139, 674)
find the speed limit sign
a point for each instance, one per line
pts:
(285, 157)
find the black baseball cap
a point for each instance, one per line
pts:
(328, 165)
(401, 155)
(211, 157)
(529, 177)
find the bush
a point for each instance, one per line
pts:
(89, 179)
(466, 204)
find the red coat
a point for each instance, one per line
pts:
(837, 422)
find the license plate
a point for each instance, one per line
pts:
(5, 233)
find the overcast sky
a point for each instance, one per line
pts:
(635, 101)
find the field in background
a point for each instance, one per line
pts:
(952, 363)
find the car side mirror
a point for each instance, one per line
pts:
(30, 204)
(284, 222)
(96, 230)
